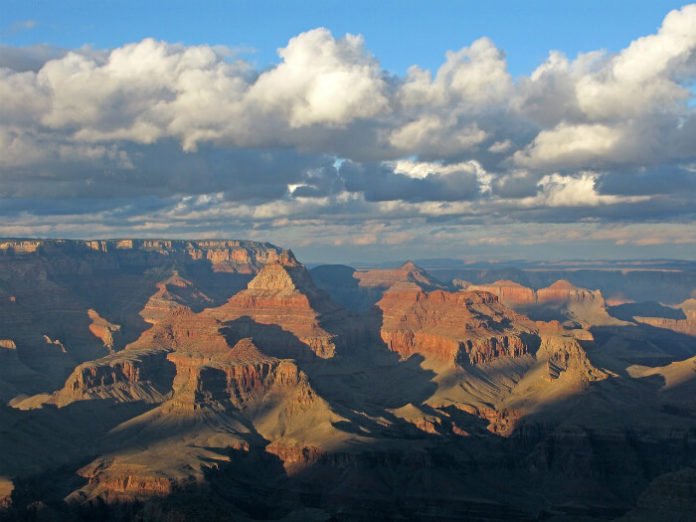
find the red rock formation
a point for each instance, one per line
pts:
(513, 294)
(208, 370)
(578, 304)
(296, 455)
(563, 291)
(409, 272)
(283, 295)
(174, 293)
(456, 327)
(126, 485)
(183, 329)
(217, 380)
(131, 375)
(509, 293)
(564, 354)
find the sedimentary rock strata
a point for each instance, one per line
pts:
(456, 327)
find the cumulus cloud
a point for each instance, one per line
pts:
(183, 139)
(575, 191)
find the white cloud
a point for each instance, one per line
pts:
(569, 145)
(423, 169)
(579, 190)
(322, 80)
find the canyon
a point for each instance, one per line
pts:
(224, 380)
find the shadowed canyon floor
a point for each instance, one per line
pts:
(222, 380)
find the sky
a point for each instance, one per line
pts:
(354, 130)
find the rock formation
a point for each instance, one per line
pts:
(685, 326)
(194, 380)
(284, 295)
(103, 329)
(359, 290)
(234, 378)
(409, 272)
(561, 301)
(466, 327)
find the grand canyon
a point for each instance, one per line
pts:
(347, 261)
(224, 380)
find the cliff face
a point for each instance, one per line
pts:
(559, 301)
(509, 293)
(284, 296)
(359, 290)
(455, 327)
(173, 294)
(237, 378)
(245, 257)
(133, 375)
(281, 307)
(686, 326)
(89, 297)
(409, 272)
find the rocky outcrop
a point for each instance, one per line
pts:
(283, 295)
(236, 378)
(8, 348)
(6, 489)
(563, 353)
(686, 326)
(454, 327)
(238, 256)
(173, 294)
(559, 301)
(359, 290)
(113, 483)
(509, 293)
(183, 330)
(105, 331)
(132, 375)
(48, 287)
(57, 343)
(409, 272)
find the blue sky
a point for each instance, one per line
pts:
(400, 33)
(529, 129)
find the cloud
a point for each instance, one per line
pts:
(154, 136)
(575, 191)
(569, 146)
(322, 80)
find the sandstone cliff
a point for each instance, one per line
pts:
(454, 327)
(283, 295)
(559, 301)
(224, 255)
(686, 326)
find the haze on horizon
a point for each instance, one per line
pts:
(343, 155)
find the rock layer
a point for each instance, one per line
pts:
(561, 300)
(466, 327)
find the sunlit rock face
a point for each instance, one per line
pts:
(456, 327)
(559, 301)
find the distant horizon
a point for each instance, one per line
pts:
(471, 260)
